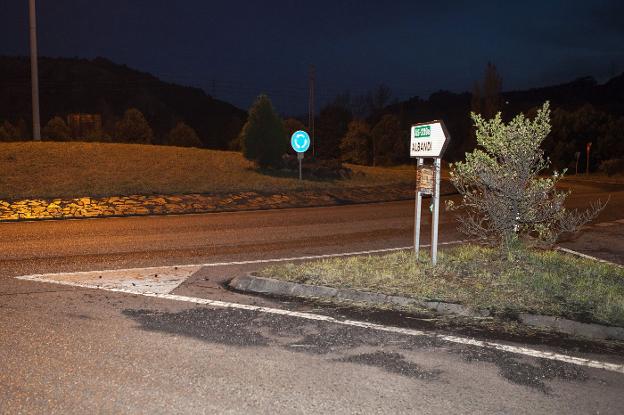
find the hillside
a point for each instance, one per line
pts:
(101, 86)
(75, 169)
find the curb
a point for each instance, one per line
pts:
(260, 285)
(268, 286)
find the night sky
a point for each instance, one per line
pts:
(237, 49)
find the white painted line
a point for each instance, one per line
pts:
(161, 280)
(257, 261)
(582, 255)
(354, 323)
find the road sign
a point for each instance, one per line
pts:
(300, 141)
(428, 139)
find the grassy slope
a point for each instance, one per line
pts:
(50, 169)
(543, 282)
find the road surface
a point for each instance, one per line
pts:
(67, 349)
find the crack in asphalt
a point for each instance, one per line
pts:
(393, 363)
(522, 373)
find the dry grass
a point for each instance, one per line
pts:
(51, 169)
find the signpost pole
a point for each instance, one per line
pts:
(428, 140)
(300, 142)
(436, 211)
(417, 209)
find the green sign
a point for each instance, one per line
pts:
(422, 131)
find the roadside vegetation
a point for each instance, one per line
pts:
(513, 213)
(542, 282)
(75, 169)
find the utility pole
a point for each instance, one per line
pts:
(311, 109)
(34, 73)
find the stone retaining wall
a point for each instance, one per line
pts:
(89, 207)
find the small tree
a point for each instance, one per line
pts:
(133, 128)
(57, 130)
(8, 132)
(262, 138)
(355, 145)
(183, 136)
(503, 197)
(291, 125)
(388, 141)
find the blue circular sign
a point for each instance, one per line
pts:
(300, 141)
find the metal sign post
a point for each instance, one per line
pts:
(300, 142)
(428, 140)
(417, 208)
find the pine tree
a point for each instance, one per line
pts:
(263, 139)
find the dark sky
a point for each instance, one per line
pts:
(238, 49)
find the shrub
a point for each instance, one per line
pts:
(355, 145)
(388, 141)
(263, 139)
(503, 197)
(183, 136)
(56, 130)
(9, 132)
(133, 128)
(611, 167)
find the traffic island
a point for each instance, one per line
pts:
(545, 289)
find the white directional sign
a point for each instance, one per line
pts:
(428, 139)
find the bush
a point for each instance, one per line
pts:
(611, 167)
(290, 126)
(9, 132)
(503, 197)
(56, 130)
(389, 144)
(322, 169)
(183, 136)
(355, 145)
(263, 139)
(133, 128)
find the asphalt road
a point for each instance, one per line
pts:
(67, 349)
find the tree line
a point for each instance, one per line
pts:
(132, 127)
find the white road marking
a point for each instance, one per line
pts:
(353, 323)
(146, 284)
(256, 261)
(161, 280)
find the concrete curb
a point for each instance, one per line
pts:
(259, 285)
(562, 325)
(268, 286)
